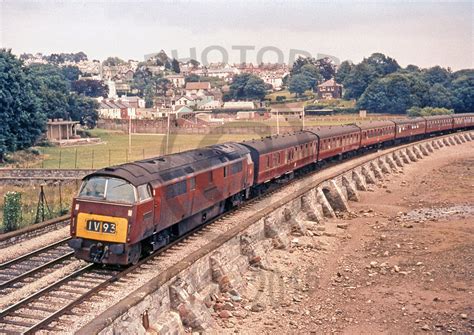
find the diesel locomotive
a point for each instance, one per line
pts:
(123, 212)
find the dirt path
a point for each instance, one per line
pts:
(401, 262)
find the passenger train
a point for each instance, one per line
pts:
(126, 211)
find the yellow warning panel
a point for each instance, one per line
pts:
(101, 228)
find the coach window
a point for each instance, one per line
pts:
(144, 192)
(225, 171)
(268, 161)
(192, 183)
(211, 177)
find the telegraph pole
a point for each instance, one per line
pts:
(130, 134)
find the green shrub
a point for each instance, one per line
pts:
(12, 211)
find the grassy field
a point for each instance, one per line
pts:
(114, 149)
(58, 199)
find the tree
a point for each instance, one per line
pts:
(326, 68)
(90, 88)
(71, 73)
(56, 99)
(436, 75)
(83, 109)
(247, 86)
(255, 88)
(175, 66)
(343, 71)
(391, 94)
(363, 74)
(358, 80)
(312, 74)
(23, 120)
(298, 84)
(80, 56)
(194, 63)
(463, 91)
(439, 96)
(192, 78)
(382, 65)
(113, 61)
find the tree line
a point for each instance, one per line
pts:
(379, 84)
(30, 95)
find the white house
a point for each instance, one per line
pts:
(239, 105)
(186, 100)
(177, 80)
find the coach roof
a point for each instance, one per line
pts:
(325, 132)
(279, 142)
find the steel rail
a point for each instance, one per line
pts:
(36, 270)
(33, 253)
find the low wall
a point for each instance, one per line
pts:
(186, 296)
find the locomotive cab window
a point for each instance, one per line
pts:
(108, 189)
(144, 192)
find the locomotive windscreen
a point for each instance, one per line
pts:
(108, 189)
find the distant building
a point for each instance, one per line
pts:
(135, 102)
(198, 88)
(59, 130)
(329, 90)
(116, 109)
(177, 80)
(239, 105)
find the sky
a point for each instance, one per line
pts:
(425, 33)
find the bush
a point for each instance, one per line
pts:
(280, 98)
(428, 111)
(12, 211)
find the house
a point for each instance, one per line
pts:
(214, 104)
(239, 105)
(273, 78)
(198, 88)
(116, 109)
(329, 90)
(177, 80)
(186, 100)
(179, 111)
(135, 102)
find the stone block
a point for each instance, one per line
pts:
(323, 201)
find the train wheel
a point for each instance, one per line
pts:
(134, 254)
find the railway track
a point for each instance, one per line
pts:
(24, 269)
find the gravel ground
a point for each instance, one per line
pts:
(399, 263)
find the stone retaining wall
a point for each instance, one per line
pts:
(177, 301)
(39, 176)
